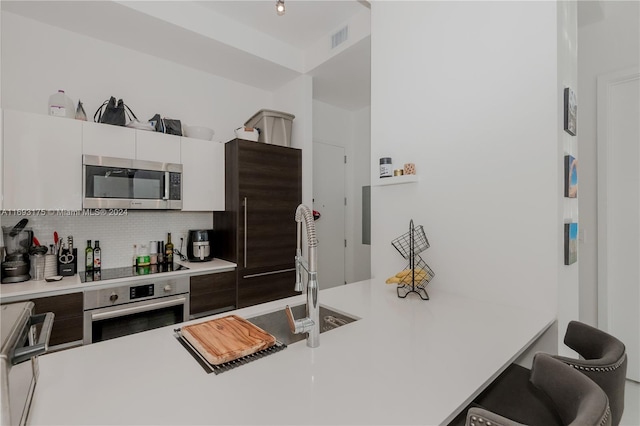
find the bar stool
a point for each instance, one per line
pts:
(604, 361)
(577, 400)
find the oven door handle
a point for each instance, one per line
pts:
(138, 309)
(28, 352)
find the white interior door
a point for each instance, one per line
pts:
(619, 211)
(329, 200)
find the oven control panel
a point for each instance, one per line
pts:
(144, 290)
(140, 291)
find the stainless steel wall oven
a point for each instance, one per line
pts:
(135, 307)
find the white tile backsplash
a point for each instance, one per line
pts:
(117, 234)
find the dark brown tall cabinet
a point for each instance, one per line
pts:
(263, 188)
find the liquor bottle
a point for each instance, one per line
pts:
(88, 257)
(160, 252)
(168, 250)
(135, 255)
(97, 257)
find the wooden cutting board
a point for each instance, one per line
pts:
(227, 338)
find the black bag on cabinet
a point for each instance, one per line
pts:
(169, 126)
(112, 112)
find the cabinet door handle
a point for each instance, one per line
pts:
(280, 271)
(245, 232)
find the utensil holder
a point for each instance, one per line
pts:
(37, 267)
(67, 267)
(50, 265)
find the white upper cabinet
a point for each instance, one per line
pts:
(154, 146)
(42, 162)
(107, 140)
(202, 175)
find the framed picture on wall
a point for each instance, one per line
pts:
(570, 243)
(570, 176)
(570, 111)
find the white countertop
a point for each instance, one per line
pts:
(405, 361)
(32, 289)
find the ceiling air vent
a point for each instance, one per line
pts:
(339, 37)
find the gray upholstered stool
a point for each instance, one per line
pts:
(577, 400)
(605, 362)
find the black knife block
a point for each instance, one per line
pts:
(71, 268)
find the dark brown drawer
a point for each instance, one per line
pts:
(68, 321)
(261, 289)
(64, 306)
(212, 292)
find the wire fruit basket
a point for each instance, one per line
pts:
(415, 277)
(414, 241)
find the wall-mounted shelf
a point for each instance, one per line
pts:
(396, 180)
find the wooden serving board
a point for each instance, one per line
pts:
(225, 339)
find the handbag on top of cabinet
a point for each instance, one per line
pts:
(112, 112)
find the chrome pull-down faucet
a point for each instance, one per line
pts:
(310, 324)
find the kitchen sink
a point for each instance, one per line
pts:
(276, 323)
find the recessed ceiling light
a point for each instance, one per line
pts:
(280, 7)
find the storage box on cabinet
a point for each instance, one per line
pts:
(212, 293)
(68, 310)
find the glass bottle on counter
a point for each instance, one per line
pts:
(160, 252)
(168, 250)
(153, 252)
(88, 257)
(135, 255)
(97, 257)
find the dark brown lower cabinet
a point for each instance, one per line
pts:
(68, 311)
(212, 293)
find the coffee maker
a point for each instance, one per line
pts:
(16, 264)
(199, 245)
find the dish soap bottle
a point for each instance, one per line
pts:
(97, 257)
(88, 257)
(168, 250)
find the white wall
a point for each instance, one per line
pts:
(468, 92)
(350, 130)
(39, 59)
(607, 45)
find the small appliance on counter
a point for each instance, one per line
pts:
(16, 263)
(199, 245)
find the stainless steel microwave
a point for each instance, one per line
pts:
(123, 183)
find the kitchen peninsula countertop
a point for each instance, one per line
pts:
(32, 289)
(405, 361)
